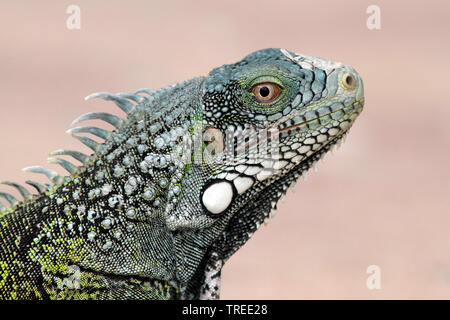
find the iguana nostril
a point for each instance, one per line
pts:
(348, 81)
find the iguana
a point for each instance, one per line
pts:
(180, 184)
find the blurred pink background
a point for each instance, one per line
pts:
(382, 199)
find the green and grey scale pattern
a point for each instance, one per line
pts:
(182, 182)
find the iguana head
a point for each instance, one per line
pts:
(269, 113)
(265, 121)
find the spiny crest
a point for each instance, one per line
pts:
(125, 101)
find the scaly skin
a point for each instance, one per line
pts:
(179, 185)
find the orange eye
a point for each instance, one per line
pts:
(266, 91)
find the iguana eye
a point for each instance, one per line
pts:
(266, 91)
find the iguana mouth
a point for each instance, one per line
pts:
(349, 114)
(352, 110)
(356, 107)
